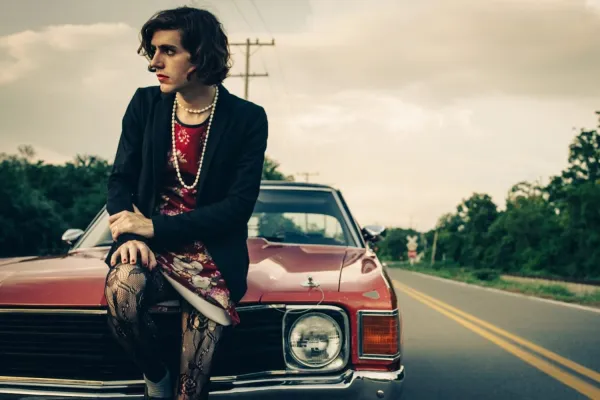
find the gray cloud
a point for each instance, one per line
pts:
(407, 107)
(74, 82)
(448, 50)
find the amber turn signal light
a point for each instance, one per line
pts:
(380, 335)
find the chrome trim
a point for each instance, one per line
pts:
(70, 388)
(284, 308)
(291, 187)
(331, 384)
(351, 222)
(385, 313)
(260, 307)
(44, 394)
(50, 311)
(350, 217)
(88, 229)
(346, 332)
(335, 325)
(104, 311)
(11, 380)
(276, 378)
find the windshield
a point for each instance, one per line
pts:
(97, 234)
(300, 216)
(280, 215)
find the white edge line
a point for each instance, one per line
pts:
(560, 303)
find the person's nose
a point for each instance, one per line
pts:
(156, 63)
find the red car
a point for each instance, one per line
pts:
(320, 318)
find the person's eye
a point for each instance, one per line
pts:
(170, 52)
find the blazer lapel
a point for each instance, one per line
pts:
(217, 128)
(161, 134)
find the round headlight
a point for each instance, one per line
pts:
(315, 340)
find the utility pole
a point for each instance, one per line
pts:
(307, 174)
(247, 75)
(435, 238)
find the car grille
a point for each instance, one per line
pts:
(81, 346)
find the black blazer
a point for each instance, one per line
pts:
(227, 189)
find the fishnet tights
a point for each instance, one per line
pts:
(130, 291)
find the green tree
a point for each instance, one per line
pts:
(40, 201)
(477, 214)
(450, 241)
(271, 171)
(393, 246)
(575, 197)
(29, 221)
(524, 238)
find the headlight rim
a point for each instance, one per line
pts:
(336, 326)
(340, 314)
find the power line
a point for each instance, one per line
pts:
(261, 17)
(277, 60)
(279, 67)
(243, 15)
(247, 74)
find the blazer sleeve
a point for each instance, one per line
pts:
(236, 208)
(123, 179)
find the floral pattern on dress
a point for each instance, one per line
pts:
(191, 264)
(183, 136)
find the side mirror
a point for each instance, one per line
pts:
(71, 236)
(373, 233)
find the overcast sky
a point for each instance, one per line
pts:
(408, 107)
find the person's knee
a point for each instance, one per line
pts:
(124, 284)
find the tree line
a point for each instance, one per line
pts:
(548, 230)
(40, 201)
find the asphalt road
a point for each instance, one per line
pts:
(463, 342)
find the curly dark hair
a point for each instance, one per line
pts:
(201, 34)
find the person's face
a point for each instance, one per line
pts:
(171, 61)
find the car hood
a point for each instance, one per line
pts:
(77, 279)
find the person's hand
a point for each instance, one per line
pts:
(130, 222)
(129, 250)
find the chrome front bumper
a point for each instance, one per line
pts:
(350, 385)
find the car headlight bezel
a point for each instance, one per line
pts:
(338, 316)
(335, 326)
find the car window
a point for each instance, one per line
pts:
(280, 215)
(97, 233)
(307, 228)
(299, 216)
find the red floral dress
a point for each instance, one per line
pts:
(191, 265)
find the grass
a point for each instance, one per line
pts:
(491, 278)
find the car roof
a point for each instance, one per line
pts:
(296, 184)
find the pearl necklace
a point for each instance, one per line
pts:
(175, 161)
(192, 111)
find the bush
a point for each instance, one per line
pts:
(486, 274)
(556, 290)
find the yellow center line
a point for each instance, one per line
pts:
(555, 372)
(525, 343)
